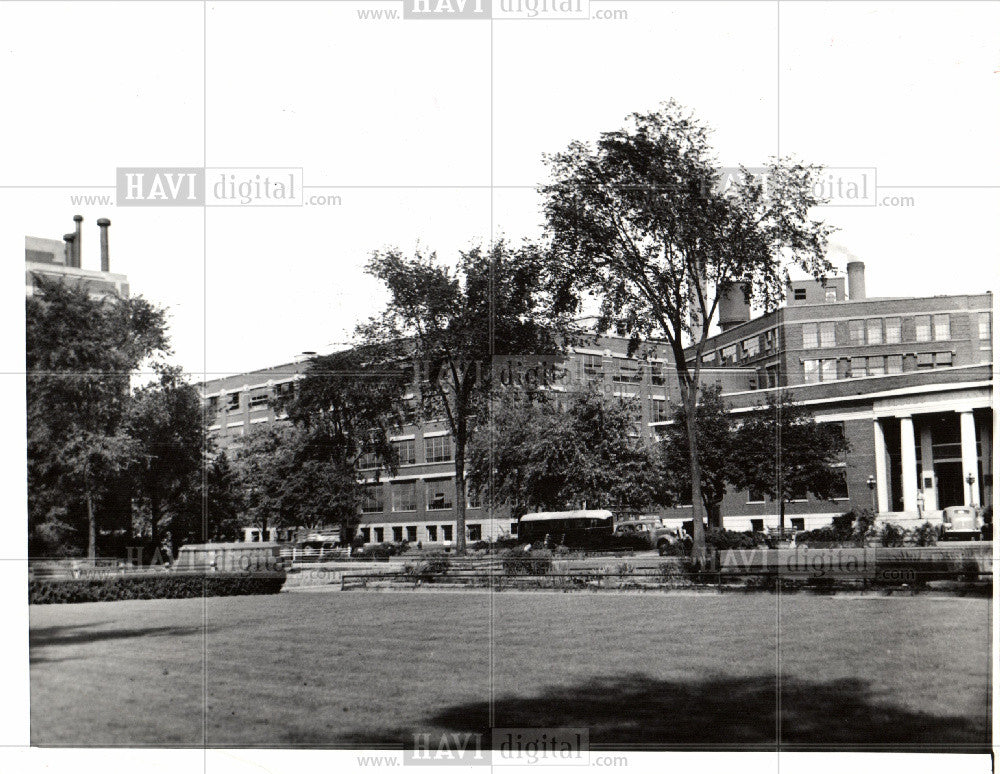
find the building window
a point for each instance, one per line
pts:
(925, 360)
(942, 327)
(406, 451)
(397, 534)
(893, 330)
(437, 449)
(438, 495)
(379, 534)
(894, 364)
(411, 534)
(829, 370)
(656, 373)
(446, 530)
(830, 295)
(751, 347)
(371, 499)
(475, 532)
(859, 366)
(874, 331)
(404, 496)
(258, 399)
(756, 525)
(828, 334)
(728, 355)
(923, 327)
(368, 461)
(213, 403)
(799, 294)
(233, 401)
(810, 336)
(810, 370)
(798, 524)
(876, 366)
(942, 359)
(593, 365)
(660, 411)
(628, 371)
(432, 533)
(366, 534)
(756, 496)
(985, 329)
(857, 332)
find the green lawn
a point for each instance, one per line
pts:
(657, 670)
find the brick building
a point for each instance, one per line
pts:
(909, 379)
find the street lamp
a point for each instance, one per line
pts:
(871, 488)
(970, 480)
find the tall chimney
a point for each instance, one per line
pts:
(856, 280)
(78, 242)
(69, 239)
(103, 223)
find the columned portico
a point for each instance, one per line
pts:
(908, 457)
(928, 482)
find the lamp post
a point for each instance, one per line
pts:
(970, 480)
(871, 489)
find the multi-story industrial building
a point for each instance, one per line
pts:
(52, 259)
(909, 380)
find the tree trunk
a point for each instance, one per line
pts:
(91, 527)
(460, 494)
(689, 395)
(781, 517)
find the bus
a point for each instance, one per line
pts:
(576, 529)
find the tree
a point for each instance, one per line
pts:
(452, 323)
(547, 451)
(345, 408)
(714, 427)
(210, 506)
(640, 220)
(780, 449)
(167, 423)
(81, 355)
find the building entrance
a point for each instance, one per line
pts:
(949, 483)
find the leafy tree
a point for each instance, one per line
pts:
(452, 323)
(551, 452)
(81, 355)
(639, 219)
(167, 423)
(209, 508)
(780, 449)
(714, 427)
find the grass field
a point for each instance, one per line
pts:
(661, 671)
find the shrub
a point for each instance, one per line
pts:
(152, 586)
(725, 540)
(821, 536)
(429, 567)
(891, 536)
(926, 534)
(519, 562)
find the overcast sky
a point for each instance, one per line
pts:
(411, 123)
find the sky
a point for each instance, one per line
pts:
(432, 134)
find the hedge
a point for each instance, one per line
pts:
(152, 586)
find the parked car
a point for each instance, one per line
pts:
(961, 522)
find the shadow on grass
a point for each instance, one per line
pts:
(55, 636)
(639, 712)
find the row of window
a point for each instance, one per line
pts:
(410, 533)
(888, 330)
(831, 369)
(439, 495)
(438, 448)
(746, 349)
(256, 399)
(624, 370)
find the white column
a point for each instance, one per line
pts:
(881, 478)
(927, 464)
(986, 450)
(967, 425)
(908, 455)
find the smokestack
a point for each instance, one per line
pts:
(78, 242)
(69, 238)
(103, 223)
(733, 307)
(856, 280)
